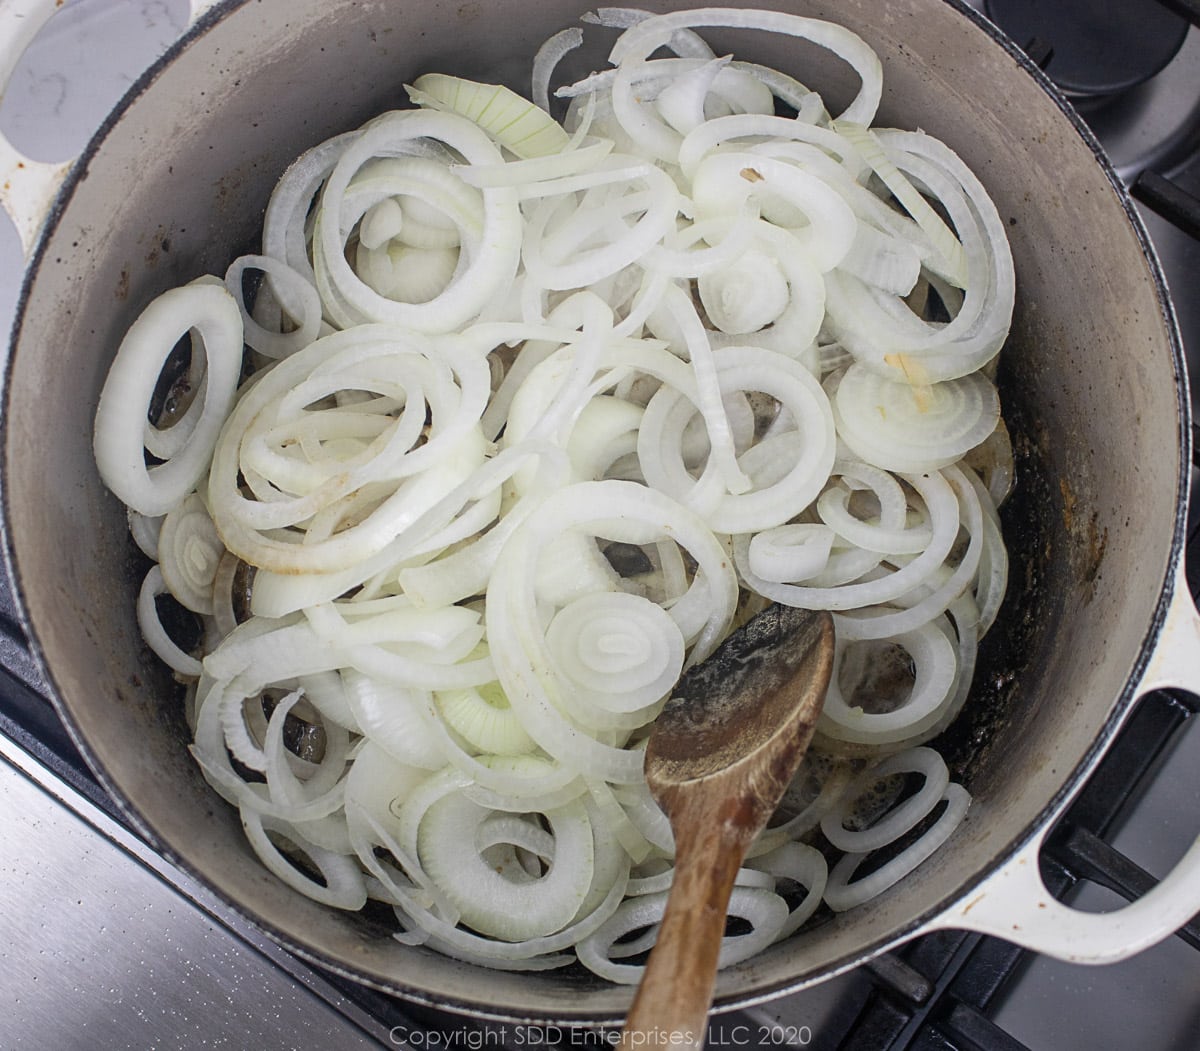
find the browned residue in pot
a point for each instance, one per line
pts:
(1068, 509)
(1097, 542)
(160, 244)
(1090, 540)
(975, 744)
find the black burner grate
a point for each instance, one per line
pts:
(937, 992)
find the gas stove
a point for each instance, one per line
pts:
(116, 948)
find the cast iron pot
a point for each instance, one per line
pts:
(1092, 382)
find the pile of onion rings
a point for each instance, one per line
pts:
(512, 421)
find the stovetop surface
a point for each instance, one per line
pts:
(109, 946)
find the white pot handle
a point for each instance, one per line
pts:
(28, 187)
(1013, 902)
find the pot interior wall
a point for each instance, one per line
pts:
(177, 188)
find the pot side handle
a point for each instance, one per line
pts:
(1014, 904)
(28, 187)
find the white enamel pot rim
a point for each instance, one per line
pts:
(1001, 895)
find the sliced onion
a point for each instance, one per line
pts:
(801, 864)
(342, 885)
(763, 909)
(899, 820)
(899, 427)
(935, 679)
(843, 892)
(291, 290)
(118, 434)
(483, 717)
(774, 496)
(386, 714)
(154, 633)
(618, 651)
(513, 907)
(548, 408)
(189, 553)
(491, 255)
(515, 123)
(145, 532)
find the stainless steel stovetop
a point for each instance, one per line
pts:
(105, 945)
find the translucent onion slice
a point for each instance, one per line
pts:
(118, 438)
(406, 273)
(935, 666)
(935, 594)
(189, 553)
(224, 616)
(681, 104)
(514, 122)
(381, 223)
(547, 58)
(532, 953)
(511, 906)
(376, 786)
(891, 532)
(284, 234)
(745, 296)
(491, 257)
(288, 789)
(620, 652)
(527, 175)
(556, 250)
(782, 486)
(764, 910)
(145, 532)
(640, 41)
(683, 42)
(883, 260)
(453, 437)
(943, 512)
(153, 631)
(900, 819)
(798, 863)
(825, 224)
(483, 717)
(262, 652)
(167, 440)
(883, 331)
(795, 552)
(899, 427)
(294, 293)
(387, 715)
(615, 824)
(341, 883)
(939, 233)
(843, 892)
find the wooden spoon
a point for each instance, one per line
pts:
(719, 758)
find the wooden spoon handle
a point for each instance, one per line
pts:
(672, 1002)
